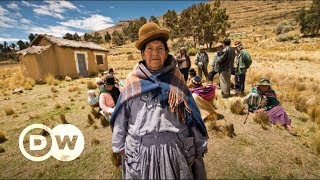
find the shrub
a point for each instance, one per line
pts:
(95, 113)
(314, 113)
(63, 119)
(90, 120)
(2, 137)
(2, 149)
(300, 103)
(29, 83)
(82, 80)
(57, 106)
(53, 89)
(282, 28)
(8, 110)
(262, 119)
(91, 85)
(192, 51)
(51, 80)
(237, 107)
(181, 43)
(130, 57)
(103, 121)
(316, 143)
(73, 88)
(285, 37)
(95, 141)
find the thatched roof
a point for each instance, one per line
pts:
(67, 43)
(33, 50)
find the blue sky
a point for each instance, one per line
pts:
(20, 18)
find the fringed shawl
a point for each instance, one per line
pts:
(171, 88)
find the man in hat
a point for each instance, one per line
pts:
(225, 62)
(202, 60)
(242, 63)
(215, 65)
(150, 119)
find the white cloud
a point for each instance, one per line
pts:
(111, 7)
(3, 11)
(26, 21)
(93, 23)
(27, 4)
(11, 39)
(57, 31)
(13, 6)
(52, 8)
(17, 14)
(5, 21)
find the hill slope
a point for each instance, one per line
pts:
(248, 16)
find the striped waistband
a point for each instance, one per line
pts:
(157, 138)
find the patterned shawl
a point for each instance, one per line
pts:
(205, 92)
(169, 85)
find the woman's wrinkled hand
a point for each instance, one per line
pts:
(259, 110)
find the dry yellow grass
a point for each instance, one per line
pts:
(63, 119)
(8, 110)
(103, 121)
(51, 80)
(2, 149)
(316, 143)
(2, 137)
(54, 89)
(95, 141)
(28, 83)
(314, 113)
(73, 88)
(237, 107)
(82, 80)
(91, 85)
(90, 120)
(262, 118)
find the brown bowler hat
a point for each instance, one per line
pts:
(150, 31)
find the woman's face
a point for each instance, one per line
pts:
(155, 54)
(108, 87)
(264, 88)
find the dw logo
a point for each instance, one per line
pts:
(67, 142)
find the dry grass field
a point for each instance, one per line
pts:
(255, 152)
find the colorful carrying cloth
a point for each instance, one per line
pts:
(205, 92)
(169, 85)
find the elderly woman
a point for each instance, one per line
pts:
(184, 62)
(156, 123)
(263, 99)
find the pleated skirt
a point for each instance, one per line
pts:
(163, 155)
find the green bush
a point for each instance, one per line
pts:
(181, 43)
(283, 27)
(192, 51)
